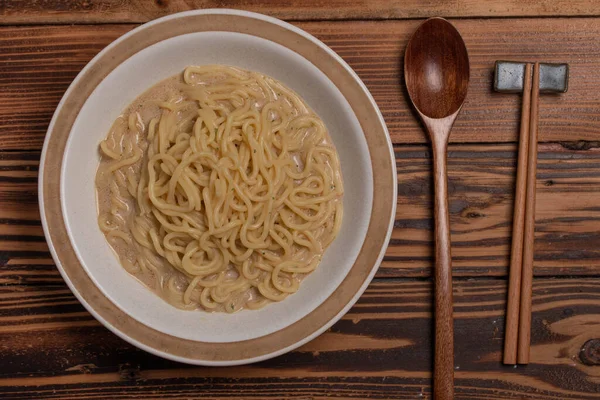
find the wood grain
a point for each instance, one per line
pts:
(52, 348)
(481, 190)
(117, 11)
(380, 349)
(38, 63)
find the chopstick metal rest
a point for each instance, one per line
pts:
(516, 77)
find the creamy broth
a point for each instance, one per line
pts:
(219, 189)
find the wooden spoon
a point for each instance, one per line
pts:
(436, 71)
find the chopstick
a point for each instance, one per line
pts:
(518, 309)
(514, 286)
(527, 269)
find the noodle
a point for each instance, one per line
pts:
(219, 189)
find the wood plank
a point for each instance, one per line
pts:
(481, 195)
(481, 188)
(113, 11)
(38, 63)
(52, 348)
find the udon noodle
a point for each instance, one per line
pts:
(219, 189)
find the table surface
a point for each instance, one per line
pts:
(50, 347)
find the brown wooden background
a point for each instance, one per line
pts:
(51, 348)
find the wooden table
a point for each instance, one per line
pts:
(50, 347)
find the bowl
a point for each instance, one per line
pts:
(135, 62)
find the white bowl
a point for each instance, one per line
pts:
(124, 70)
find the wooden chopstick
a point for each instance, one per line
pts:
(514, 285)
(527, 268)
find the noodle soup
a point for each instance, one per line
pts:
(219, 189)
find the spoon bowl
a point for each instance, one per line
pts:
(436, 72)
(437, 69)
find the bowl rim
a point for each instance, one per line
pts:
(380, 223)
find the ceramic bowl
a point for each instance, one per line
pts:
(135, 62)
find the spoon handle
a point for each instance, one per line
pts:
(443, 372)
